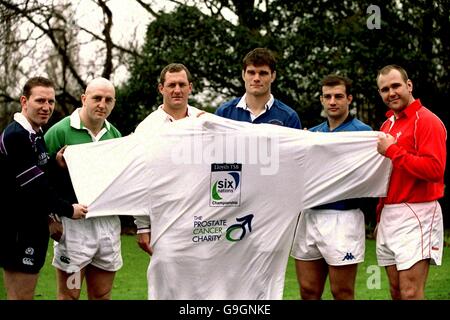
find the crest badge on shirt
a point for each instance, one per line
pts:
(225, 185)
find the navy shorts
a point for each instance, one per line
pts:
(23, 245)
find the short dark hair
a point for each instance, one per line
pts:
(332, 80)
(389, 67)
(259, 57)
(36, 82)
(174, 67)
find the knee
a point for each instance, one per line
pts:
(343, 293)
(308, 291)
(27, 294)
(69, 295)
(99, 294)
(395, 292)
(411, 293)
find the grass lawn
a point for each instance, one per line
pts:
(131, 281)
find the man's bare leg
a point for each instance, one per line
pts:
(311, 276)
(20, 285)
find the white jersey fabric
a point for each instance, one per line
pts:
(148, 126)
(224, 197)
(159, 117)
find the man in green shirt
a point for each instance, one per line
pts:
(87, 248)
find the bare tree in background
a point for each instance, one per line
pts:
(10, 57)
(44, 37)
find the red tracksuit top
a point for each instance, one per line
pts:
(418, 157)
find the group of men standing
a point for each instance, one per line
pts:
(330, 239)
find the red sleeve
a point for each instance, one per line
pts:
(428, 163)
(379, 208)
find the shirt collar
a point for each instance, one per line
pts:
(408, 111)
(23, 121)
(189, 113)
(243, 105)
(348, 119)
(75, 120)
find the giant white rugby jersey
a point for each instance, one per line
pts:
(223, 197)
(147, 127)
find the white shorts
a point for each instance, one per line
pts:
(338, 236)
(93, 241)
(410, 232)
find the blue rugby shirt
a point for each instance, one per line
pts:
(278, 113)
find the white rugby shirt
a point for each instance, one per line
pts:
(223, 197)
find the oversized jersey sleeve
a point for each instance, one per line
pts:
(344, 165)
(113, 175)
(110, 176)
(223, 197)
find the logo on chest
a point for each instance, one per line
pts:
(42, 158)
(225, 185)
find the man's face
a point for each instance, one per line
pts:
(335, 101)
(39, 107)
(258, 79)
(395, 92)
(99, 101)
(175, 90)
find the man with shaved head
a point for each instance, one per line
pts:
(87, 248)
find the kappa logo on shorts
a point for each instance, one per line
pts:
(29, 251)
(28, 261)
(349, 256)
(64, 259)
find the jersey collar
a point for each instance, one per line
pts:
(243, 105)
(75, 120)
(169, 118)
(408, 111)
(23, 121)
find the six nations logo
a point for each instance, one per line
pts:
(225, 185)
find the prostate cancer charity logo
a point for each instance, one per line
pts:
(225, 185)
(236, 232)
(213, 230)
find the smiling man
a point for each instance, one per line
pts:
(410, 228)
(258, 104)
(27, 200)
(88, 248)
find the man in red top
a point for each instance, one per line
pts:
(410, 228)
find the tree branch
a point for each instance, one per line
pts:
(149, 9)
(107, 17)
(116, 46)
(5, 98)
